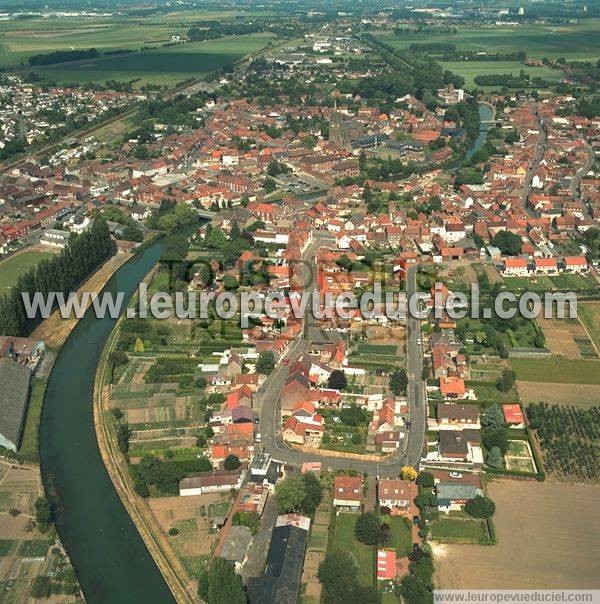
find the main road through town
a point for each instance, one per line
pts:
(267, 398)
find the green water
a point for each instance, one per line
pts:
(109, 556)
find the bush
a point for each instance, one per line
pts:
(173, 531)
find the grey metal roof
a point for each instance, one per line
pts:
(14, 392)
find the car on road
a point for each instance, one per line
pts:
(416, 520)
(455, 475)
(408, 425)
(258, 437)
(419, 341)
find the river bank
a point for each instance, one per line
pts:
(111, 559)
(182, 587)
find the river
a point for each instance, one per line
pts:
(110, 558)
(485, 114)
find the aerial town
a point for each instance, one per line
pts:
(322, 457)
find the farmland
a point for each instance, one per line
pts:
(589, 315)
(160, 65)
(569, 439)
(533, 522)
(18, 264)
(563, 371)
(21, 39)
(469, 70)
(573, 41)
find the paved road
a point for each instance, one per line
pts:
(537, 158)
(576, 180)
(266, 399)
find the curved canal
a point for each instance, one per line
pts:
(110, 558)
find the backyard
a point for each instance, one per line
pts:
(343, 538)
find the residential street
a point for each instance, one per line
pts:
(266, 399)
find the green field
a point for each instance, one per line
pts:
(162, 65)
(11, 268)
(558, 370)
(573, 41)
(21, 39)
(589, 315)
(455, 530)
(343, 538)
(469, 70)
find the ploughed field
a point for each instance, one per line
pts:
(546, 540)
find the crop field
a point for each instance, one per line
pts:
(578, 395)
(567, 337)
(161, 65)
(573, 41)
(589, 315)
(542, 544)
(563, 371)
(16, 265)
(469, 70)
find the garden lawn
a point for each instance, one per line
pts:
(401, 533)
(16, 265)
(454, 530)
(557, 370)
(343, 538)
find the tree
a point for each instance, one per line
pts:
(422, 569)
(496, 438)
(480, 507)
(139, 345)
(337, 380)
(414, 591)
(425, 480)
(506, 381)
(248, 519)
(384, 534)
(118, 357)
(366, 528)
(508, 243)
(337, 572)
(43, 514)
(41, 587)
(493, 417)
(399, 381)
(230, 283)
(220, 584)
(356, 438)
(494, 458)
(289, 494)
(408, 473)
(232, 462)
(313, 493)
(265, 363)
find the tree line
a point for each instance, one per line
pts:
(62, 273)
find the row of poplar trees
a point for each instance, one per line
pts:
(62, 273)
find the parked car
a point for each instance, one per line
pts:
(455, 475)
(416, 520)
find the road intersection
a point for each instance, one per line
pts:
(267, 398)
